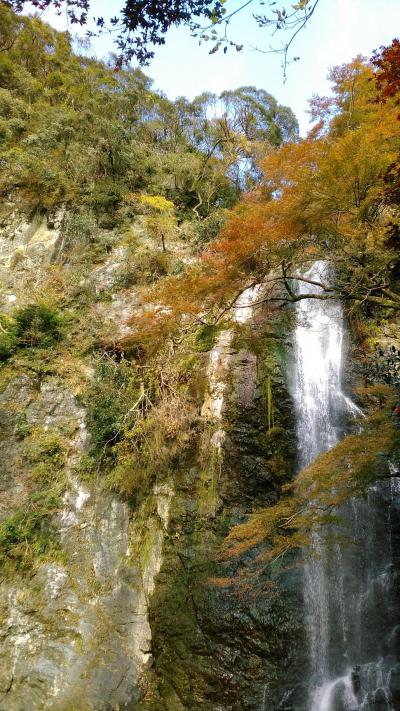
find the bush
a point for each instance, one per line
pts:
(209, 228)
(108, 399)
(37, 325)
(8, 344)
(81, 228)
(85, 241)
(145, 267)
(106, 195)
(137, 426)
(151, 443)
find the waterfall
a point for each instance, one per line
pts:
(350, 604)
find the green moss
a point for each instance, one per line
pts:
(86, 469)
(205, 337)
(211, 473)
(8, 337)
(8, 343)
(29, 533)
(21, 426)
(40, 361)
(45, 448)
(187, 363)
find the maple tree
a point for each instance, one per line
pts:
(387, 76)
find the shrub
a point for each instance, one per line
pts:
(8, 343)
(81, 228)
(144, 268)
(209, 228)
(151, 443)
(37, 325)
(106, 195)
(108, 398)
(137, 426)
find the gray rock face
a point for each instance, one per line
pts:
(76, 633)
(78, 629)
(247, 368)
(26, 247)
(218, 645)
(74, 630)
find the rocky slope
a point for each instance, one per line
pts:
(119, 602)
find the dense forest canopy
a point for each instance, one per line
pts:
(74, 129)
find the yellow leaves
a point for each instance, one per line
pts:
(158, 203)
(301, 5)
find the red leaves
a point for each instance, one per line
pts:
(387, 76)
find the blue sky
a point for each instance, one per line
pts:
(338, 31)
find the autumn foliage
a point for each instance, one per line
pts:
(325, 196)
(387, 63)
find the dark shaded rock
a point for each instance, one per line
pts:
(394, 683)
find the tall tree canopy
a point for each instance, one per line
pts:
(75, 130)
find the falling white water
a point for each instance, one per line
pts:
(319, 397)
(320, 402)
(325, 696)
(345, 588)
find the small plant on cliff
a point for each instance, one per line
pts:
(8, 338)
(32, 326)
(139, 420)
(29, 533)
(154, 435)
(37, 325)
(108, 399)
(160, 220)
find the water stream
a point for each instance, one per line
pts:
(351, 604)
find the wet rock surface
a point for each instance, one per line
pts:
(216, 644)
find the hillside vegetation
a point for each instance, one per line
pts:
(187, 203)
